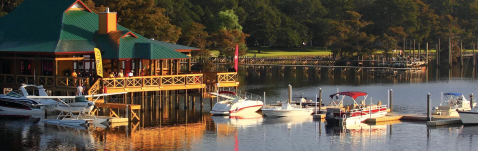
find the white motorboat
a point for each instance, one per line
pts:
(232, 104)
(469, 117)
(456, 101)
(286, 110)
(14, 104)
(355, 113)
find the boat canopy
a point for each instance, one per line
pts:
(353, 94)
(454, 94)
(227, 92)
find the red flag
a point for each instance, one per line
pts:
(236, 58)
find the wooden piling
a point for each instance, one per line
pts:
(391, 100)
(461, 53)
(426, 50)
(428, 108)
(449, 52)
(186, 99)
(290, 94)
(471, 100)
(474, 61)
(177, 98)
(200, 98)
(437, 52)
(320, 99)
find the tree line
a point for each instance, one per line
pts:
(347, 27)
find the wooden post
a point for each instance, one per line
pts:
(160, 101)
(471, 100)
(449, 51)
(426, 50)
(177, 98)
(419, 51)
(189, 64)
(437, 52)
(320, 99)
(474, 61)
(391, 100)
(194, 101)
(186, 99)
(201, 97)
(403, 47)
(428, 107)
(461, 53)
(170, 66)
(413, 54)
(177, 67)
(160, 67)
(290, 94)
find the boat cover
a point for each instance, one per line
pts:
(451, 93)
(353, 94)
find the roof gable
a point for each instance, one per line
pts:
(78, 5)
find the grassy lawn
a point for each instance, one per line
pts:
(276, 52)
(303, 51)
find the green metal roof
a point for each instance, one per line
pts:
(44, 26)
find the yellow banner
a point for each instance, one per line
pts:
(99, 64)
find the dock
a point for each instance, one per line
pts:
(437, 120)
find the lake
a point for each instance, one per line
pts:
(195, 129)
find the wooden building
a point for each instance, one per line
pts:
(44, 42)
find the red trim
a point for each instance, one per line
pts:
(240, 109)
(186, 50)
(227, 92)
(129, 33)
(82, 4)
(57, 53)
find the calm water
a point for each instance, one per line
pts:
(195, 129)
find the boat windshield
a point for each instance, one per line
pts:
(15, 93)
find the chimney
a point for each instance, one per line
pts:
(107, 21)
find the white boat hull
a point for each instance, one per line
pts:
(22, 112)
(286, 113)
(240, 108)
(469, 118)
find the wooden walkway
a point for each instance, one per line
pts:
(322, 66)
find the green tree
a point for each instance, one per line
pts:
(346, 39)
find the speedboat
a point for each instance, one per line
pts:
(354, 113)
(456, 101)
(21, 102)
(14, 103)
(232, 104)
(286, 110)
(469, 117)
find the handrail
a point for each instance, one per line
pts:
(94, 88)
(153, 81)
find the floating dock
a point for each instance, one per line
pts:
(437, 120)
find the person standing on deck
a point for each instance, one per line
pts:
(112, 75)
(120, 74)
(79, 90)
(73, 74)
(130, 74)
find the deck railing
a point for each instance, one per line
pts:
(153, 81)
(220, 77)
(71, 81)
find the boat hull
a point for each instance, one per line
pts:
(244, 110)
(6, 111)
(468, 118)
(286, 113)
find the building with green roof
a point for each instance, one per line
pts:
(44, 41)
